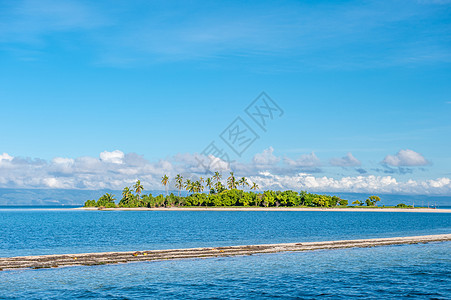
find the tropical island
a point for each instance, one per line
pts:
(231, 194)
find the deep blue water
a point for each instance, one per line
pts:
(415, 271)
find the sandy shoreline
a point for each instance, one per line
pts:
(422, 210)
(89, 259)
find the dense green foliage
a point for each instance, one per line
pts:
(233, 197)
(372, 200)
(106, 200)
(219, 195)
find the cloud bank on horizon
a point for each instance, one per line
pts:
(115, 169)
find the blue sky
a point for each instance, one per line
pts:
(364, 86)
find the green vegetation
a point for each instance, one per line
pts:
(106, 200)
(357, 202)
(372, 201)
(219, 195)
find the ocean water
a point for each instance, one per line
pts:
(37, 232)
(406, 271)
(411, 271)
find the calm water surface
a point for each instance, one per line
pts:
(35, 232)
(410, 271)
(407, 271)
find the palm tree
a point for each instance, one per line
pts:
(165, 181)
(219, 187)
(138, 188)
(201, 186)
(127, 196)
(254, 186)
(231, 182)
(243, 182)
(179, 182)
(209, 184)
(197, 186)
(126, 192)
(109, 197)
(190, 186)
(107, 200)
(217, 176)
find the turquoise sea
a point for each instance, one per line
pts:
(411, 271)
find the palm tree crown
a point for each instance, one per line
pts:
(254, 186)
(190, 186)
(138, 187)
(209, 184)
(231, 182)
(126, 192)
(179, 182)
(165, 181)
(243, 182)
(217, 176)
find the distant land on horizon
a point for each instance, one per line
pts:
(47, 197)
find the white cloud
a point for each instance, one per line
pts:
(5, 157)
(439, 183)
(267, 161)
(114, 157)
(264, 169)
(63, 161)
(112, 170)
(347, 161)
(304, 161)
(405, 158)
(57, 183)
(61, 165)
(355, 184)
(266, 158)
